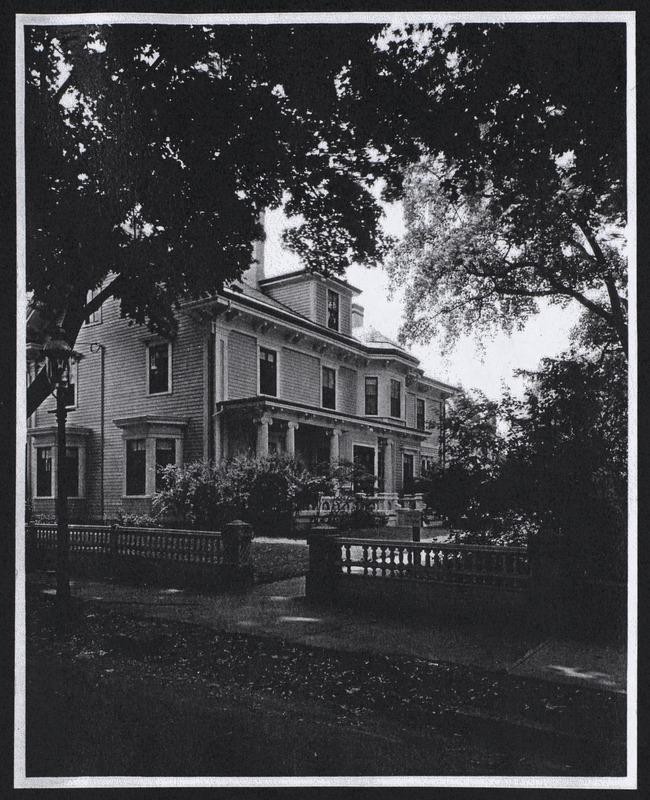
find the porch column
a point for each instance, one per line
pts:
(335, 433)
(263, 436)
(290, 444)
(388, 467)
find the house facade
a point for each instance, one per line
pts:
(273, 364)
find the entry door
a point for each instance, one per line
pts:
(364, 464)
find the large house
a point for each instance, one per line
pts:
(273, 364)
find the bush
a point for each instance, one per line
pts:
(138, 520)
(265, 492)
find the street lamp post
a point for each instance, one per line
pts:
(58, 357)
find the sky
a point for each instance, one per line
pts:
(545, 335)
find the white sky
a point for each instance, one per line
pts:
(546, 334)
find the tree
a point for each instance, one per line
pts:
(521, 194)
(152, 151)
(472, 449)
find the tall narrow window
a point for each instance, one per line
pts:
(136, 457)
(332, 310)
(165, 455)
(159, 368)
(371, 395)
(329, 388)
(408, 473)
(72, 471)
(70, 391)
(395, 398)
(419, 415)
(44, 472)
(268, 372)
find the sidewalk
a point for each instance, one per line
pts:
(280, 610)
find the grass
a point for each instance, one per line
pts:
(278, 561)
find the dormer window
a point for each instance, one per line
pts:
(332, 310)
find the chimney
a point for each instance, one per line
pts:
(357, 316)
(255, 273)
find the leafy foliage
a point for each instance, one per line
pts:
(265, 492)
(152, 150)
(455, 488)
(522, 193)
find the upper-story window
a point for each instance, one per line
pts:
(329, 387)
(268, 372)
(159, 368)
(372, 391)
(333, 310)
(395, 398)
(419, 414)
(70, 390)
(96, 316)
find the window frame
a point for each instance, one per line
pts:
(332, 370)
(51, 471)
(334, 294)
(374, 378)
(157, 466)
(128, 442)
(156, 345)
(420, 404)
(261, 348)
(395, 382)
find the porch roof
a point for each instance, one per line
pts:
(258, 406)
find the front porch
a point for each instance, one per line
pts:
(318, 438)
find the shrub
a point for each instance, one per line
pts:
(265, 492)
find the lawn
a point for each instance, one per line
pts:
(278, 560)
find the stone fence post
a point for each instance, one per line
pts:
(323, 575)
(237, 537)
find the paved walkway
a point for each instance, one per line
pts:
(280, 610)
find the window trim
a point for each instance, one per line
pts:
(395, 381)
(336, 386)
(365, 395)
(150, 345)
(261, 347)
(336, 294)
(47, 437)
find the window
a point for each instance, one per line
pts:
(268, 372)
(70, 391)
(44, 472)
(332, 310)
(371, 395)
(329, 388)
(165, 455)
(72, 471)
(408, 474)
(419, 414)
(395, 398)
(427, 466)
(96, 316)
(159, 368)
(136, 459)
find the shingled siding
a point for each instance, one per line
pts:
(242, 365)
(300, 377)
(347, 390)
(296, 296)
(125, 395)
